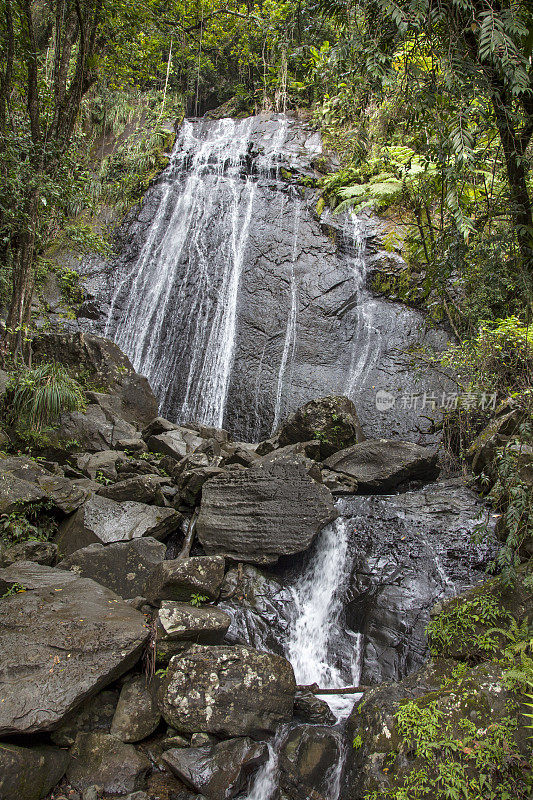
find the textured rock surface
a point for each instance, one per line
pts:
(263, 512)
(32, 550)
(141, 489)
(332, 421)
(307, 761)
(410, 550)
(230, 691)
(219, 771)
(61, 643)
(478, 699)
(179, 622)
(137, 714)
(124, 567)
(17, 471)
(176, 443)
(180, 578)
(106, 365)
(380, 465)
(95, 714)
(103, 521)
(311, 708)
(103, 760)
(29, 774)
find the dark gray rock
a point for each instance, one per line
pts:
(30, 773)
(229, 691)
(105, 464)
(409, 551)
(332, 421)
(103, 760)
(61, 643)
(137, 714)
(220, 771)
(260, 513)
(141, 489)
(310, 708)
(180, 578)
(157, 426)
(16, 471)
(124, 567)
(30, 575)
(91, 430)
(95, 714)
(191, 481)
(103, 362)
(480, 698)
(103, 521)
(381, 465)
(308, 760)
(179, 622)
(15, 493)
(176, 443)
(33, 550)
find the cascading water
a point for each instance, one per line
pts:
(317, 643)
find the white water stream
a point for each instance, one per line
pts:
(319, 647)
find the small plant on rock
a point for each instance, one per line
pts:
(39, 395)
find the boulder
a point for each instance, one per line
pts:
(124, 567)
(105, 463)
(381, 465)
(179, 622)
(30, 773)
(181, 578)
(61, 644)
(32, 550)
(15, 493)
(95, 714)
(260, 513)
(331, 421)
(219, 771)
(308, 760)
(176, 443)
(91, 430)
(496, 434)
(311, 708)
(191, 481)
(403, 733)
(142, 489)
(228, 691)
(103, 521)
(157, 426)
(137, 714)
(105, 365)
(55, 489)
(103, 760)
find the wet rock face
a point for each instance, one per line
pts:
(137, 714)
(308, 762)
(62, 640)
(411, 550)
(304, 325)
(381, 465)
(181, 578)
(229, 691)
(29, 774)
(179, 622)
(263, 512)
(219, 771)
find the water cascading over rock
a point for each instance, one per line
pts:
(239, 303)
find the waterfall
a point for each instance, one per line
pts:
(289, 345)
(366, 349)
(179, 296)
(316, 642)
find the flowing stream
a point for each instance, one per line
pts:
(318, 644)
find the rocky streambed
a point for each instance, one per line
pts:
(169, 640)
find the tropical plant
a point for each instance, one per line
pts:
(39, 395)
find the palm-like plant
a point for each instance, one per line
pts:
(41, 394)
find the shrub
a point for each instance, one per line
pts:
(39, 395)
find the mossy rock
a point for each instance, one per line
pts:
(446, 728)
(463, 627)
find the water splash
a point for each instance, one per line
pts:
(318, 647)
